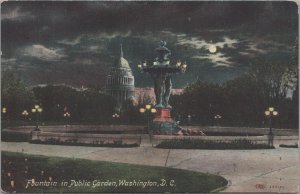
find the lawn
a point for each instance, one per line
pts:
(56, 174)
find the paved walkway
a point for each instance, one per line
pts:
(248, 171)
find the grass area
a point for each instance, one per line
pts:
(96, 176)
(288, 146)
(241, 144)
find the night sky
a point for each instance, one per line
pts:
(77, 42)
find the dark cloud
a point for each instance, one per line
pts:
(76, 42)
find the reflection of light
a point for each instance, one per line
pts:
(212, 49)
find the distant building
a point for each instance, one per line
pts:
(120, 81)
(146, 95)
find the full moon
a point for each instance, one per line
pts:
(212, 49)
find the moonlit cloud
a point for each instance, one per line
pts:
(73, 35)
(8, 60)
(109, 35)
(255, 48)
(196, 43)
(70, 42)
(41, 52)
(8, 63)
(83, 61)
(16, 14)
(218, 59)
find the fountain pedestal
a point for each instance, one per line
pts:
(163, 122)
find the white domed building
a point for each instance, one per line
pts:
(120, 81)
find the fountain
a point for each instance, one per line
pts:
(160, 71)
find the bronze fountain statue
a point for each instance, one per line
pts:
(161, 71)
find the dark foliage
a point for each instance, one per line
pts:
(241, 144)
(53, 141)
(288, 146)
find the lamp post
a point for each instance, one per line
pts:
(270, 113)
(67, 116)
(217, 118)
(148, 110)
(37, 110)
(25, 115)
(4, 111)
(116, 116)
(189, 119)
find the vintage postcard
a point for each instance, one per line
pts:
(149, 97)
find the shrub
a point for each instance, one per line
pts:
(212, 145)
(288, 146)
(14, 137)
(53, 141)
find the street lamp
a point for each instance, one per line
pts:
(217, 118)
(148, 109)
(115, 117)
(4, 111)
(189, 119)
(270, 113)
(148, 106)
(37, 110)
(67, 116)
(25, 115)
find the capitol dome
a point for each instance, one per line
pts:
(122, 63)
(120, 81)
